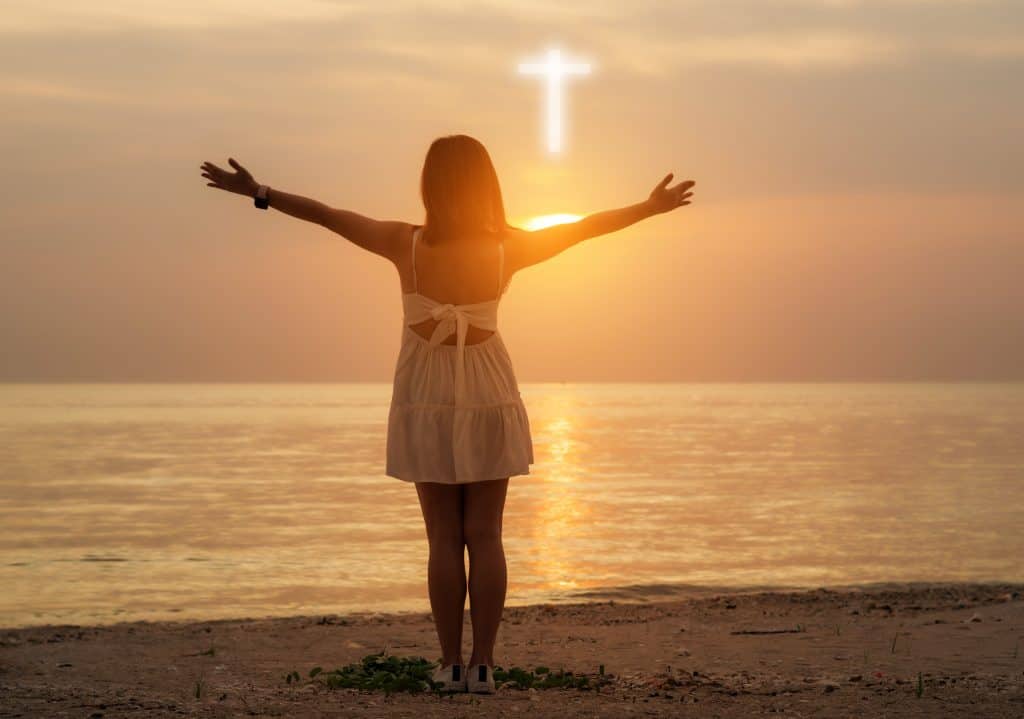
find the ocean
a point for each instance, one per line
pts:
(177, 501)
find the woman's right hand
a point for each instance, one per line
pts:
(240, 182)
(664, 198)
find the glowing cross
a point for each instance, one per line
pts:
(554, 70)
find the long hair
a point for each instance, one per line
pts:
(460, 189)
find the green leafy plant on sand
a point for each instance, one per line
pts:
(544, 678)
(391, 674)
(379, 672)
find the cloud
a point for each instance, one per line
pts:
(645, 36)
(49, 16)
(811, 34)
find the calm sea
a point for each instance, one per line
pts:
(121, 502)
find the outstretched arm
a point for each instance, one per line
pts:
(382, 237)
(533, 247)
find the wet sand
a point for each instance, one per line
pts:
(823, 653)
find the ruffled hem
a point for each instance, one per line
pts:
(458, 444)
(413, 480)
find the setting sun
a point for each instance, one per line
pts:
(542, 221)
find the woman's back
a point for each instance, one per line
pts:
(459, 272)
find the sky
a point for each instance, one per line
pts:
(859, 213)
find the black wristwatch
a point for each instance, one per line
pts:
(261, 200)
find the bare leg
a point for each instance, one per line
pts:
(484, 504)
(446, 568)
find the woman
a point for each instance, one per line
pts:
(457, 426)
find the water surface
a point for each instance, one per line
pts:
(178, 501)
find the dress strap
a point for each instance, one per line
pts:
(501, 265)
(415, 235)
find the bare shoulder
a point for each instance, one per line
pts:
(516, 241)
(400, 236)
(396, 241)
(400, 246)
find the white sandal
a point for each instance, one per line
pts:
(452, 678)
(480, 679)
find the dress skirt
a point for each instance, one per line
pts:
(430, 438)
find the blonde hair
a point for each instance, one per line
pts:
(460, 189)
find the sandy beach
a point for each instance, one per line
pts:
(950, 650)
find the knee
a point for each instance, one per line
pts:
(446, 540)
(479, 533)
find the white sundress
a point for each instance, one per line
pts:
(456, 414)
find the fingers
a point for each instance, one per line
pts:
(212, 172)
(682, 194)
(218, 175)
(661, 185)
(683, 199)
(210, 167)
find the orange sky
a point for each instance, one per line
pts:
(860, 206)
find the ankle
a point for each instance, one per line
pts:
(473, 661)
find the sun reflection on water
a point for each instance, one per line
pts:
(559, 512)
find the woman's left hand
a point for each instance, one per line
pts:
(664, 198)
(240, 182)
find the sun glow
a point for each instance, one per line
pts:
(542, 221)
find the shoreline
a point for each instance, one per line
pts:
(639, 594)
(732, 654)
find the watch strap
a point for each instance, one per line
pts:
(261, 200)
